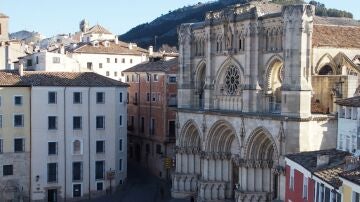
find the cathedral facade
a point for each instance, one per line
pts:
(256, 82)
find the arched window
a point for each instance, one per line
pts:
(326, 70)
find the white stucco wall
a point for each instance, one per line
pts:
(65, 109)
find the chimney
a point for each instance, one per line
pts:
(62, 49)
(116, 39)
(322, 160)
(21, 68)
(151, 50)
(130, 46)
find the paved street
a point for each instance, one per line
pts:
(141, 187)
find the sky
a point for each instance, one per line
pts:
(51, 17)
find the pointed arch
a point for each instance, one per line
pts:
(190, 135)
(325, 61)
(222, 138)
(273, 66)
(261, 146)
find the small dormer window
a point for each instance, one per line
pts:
(95, 43)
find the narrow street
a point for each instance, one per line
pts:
(140, 187)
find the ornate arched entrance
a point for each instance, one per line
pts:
(219, 174)
(258, 182)
(188, 167)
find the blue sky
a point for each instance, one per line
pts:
(51, 17)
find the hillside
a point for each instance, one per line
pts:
(164, 27)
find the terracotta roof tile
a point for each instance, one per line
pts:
(116, 49)
(158, 66)
(349, 102)
(98, 29)
(336, 36)
(40, 78)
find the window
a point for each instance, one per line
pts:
(76, 190)
(52, 172)
(18, 120)
(342, 112)
(305, 188)
(52, 97)
(115, 74)
(37, 59)
(142, 128)
(291, 184)
(77, 168)
(155, 96)
(155, 77)
(148, 77)
(355, 112)
(132, 78)
(100, 97)
(172, 79)
(100, 65)
(77, 122)
(148, 97)
(158, 149)
(120, 120)
(19, 145)
(115, 60)
(29, 63)
(127, 98)
(0, 100)
(131, 61)
(7, 170)
(56, 59)
(127, 78)
(355, 197)
(99, 170)
(108, 60)
(348, 112)
(52, 148)
(77, 147)
(172, 128)
(100, 146)
(77, 98)
(120, 164)
(52, 122)
(100, 122)
(121, 97)
(18, 100)
(89, 65)
(99, 186)
(123, 60)
(120, 145)
(1, 120)
(152, 127)
(1, 146)
(107, 73)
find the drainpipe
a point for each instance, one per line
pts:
(89, 143)
(65, 144)
(30, 187)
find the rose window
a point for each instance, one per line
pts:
(232, 80)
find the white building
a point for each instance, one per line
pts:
(50, 61)
(349, 125)
(108, 58)
(78, 133)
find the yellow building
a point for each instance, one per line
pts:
(14, 142)
(351, 185)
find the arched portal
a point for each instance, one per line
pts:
(260, 156)
(274, 80)
(220, 145)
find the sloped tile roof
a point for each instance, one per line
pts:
(329, 172)
(336, 36)
(121, 48)
(352, 175)
(40, 78)
(158, 66)
(98, 29)
(349, 102)
(2, 15)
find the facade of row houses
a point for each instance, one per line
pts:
(63, 135)
(257, 81)
(151, 115)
